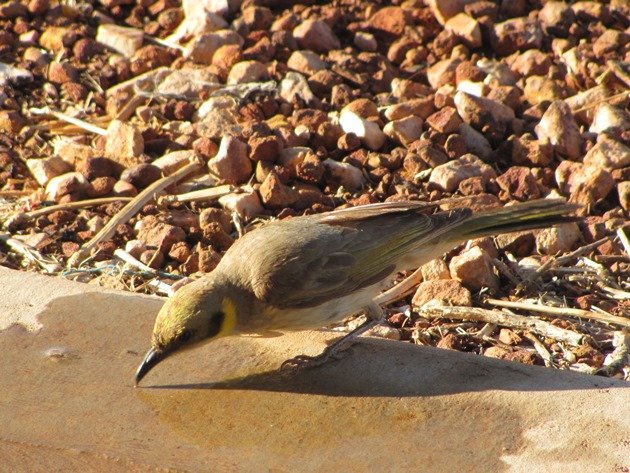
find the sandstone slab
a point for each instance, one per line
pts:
(68, 400)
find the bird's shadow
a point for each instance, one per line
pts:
(382, 368)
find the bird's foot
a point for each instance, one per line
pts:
(333, 351)
(300, 362)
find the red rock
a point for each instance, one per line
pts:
(435, 269)
(442, 72)
(214, 235)
(62, 72)
(11, 121)
(231, 163)
(317, 36)
(517, 34)
(159, 235)
(124, 143)
(472, 186)
(152, 258)
(507, 95)
(420, 107)
(532, 63)
(496, 352)
(55, 38)
(467, 70)
(179, 252)
(275, 194)
(214, 215)
(557, 239)
(124, 189)
(473, 268)
(520, 183)
(310, 169)
(595, 186)
(264, 148)
(390, 21)
(450, 342)
(448, 176)
(520, 244)
(208, 259)
(522, 356)
(101, 186)
(443, 291)
(556, 17)
(530, 151)
(445, 120)
(226, 56)
(558, 126)
(257, 18)
(61, 217)
(205, 147)
(141, 175)
(509, 337)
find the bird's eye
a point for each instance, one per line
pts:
(184, 336)
(216, 322)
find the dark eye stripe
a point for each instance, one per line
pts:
(216, 321)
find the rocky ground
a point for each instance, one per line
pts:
(139, 139)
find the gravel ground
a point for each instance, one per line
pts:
(139, 139)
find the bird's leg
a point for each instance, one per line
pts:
(375, 316)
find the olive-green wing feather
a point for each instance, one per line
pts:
(320, 258)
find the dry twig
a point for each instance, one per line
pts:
(22, 217)
(504, 319)
(540, 348)
(158, 285)
(47, 263)
(562, 311)
(400, 290)
(67, 118)
(212, 193)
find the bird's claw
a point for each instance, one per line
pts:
(301, 362)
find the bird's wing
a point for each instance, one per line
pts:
(331, 256)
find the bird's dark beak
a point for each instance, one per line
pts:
(152, 358)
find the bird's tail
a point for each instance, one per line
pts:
(515, 218)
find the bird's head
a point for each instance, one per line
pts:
(197, 313)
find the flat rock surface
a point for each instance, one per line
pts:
(68, 401)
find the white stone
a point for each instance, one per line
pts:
(608, 116)
(305, 62)
(122, 39)
(247, 204)
(476, 143)
(404, 131)
(478, 89)
(558, 126)
(368, 131)
(465, 28)
(349, 176)
(44, 169)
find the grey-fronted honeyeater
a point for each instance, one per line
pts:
(308, 272)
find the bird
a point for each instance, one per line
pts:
(311, 271)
